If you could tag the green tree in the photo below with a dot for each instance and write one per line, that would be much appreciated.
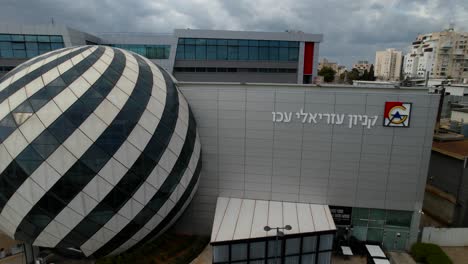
(353, 75)
(365, 76)
(371, 73)
(328, 74)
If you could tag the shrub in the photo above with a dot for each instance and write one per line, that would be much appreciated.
(429, 253)
(438, 259)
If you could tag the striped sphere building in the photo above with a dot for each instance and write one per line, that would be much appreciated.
(99, 151)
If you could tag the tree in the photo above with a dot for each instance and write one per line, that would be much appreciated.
(328, 74)
(371, 73)
(353, 75)
(365, 76)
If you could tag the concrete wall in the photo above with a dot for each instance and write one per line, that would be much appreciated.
(442, 166)
(247, 155)
(448, 237)
(451, 176)
(438, 207)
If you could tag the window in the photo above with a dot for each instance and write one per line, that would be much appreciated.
(263, 53)
(243, 53)
(200, 53)
(180, 52)
(239, 252)
(158, 52)
(222, 53)
(293, 246)
(27, 46)
(253, 53)
(326, 242)
(257, 250)
(273, 54)
(221, 253)
(274, 248)
(211, 52)
(222, 69)
(309, 244)
(233, 53)
(189, 52)
(237, 49)
(283, 54)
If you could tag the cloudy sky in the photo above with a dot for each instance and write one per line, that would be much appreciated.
(353, 29)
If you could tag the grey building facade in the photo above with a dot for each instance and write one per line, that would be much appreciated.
(373, 177)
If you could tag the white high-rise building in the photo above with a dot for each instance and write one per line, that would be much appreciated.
(388, 65)
(439, 54)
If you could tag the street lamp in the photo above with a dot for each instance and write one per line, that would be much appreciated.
(278, 234)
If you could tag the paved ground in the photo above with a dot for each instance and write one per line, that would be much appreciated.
(205, 257)
(459, 255)
(352, 260)
(400, 258)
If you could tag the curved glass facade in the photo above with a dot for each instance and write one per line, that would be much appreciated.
(103, 151)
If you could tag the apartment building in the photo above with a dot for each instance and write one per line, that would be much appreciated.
(361, 66)
(438, 55)
(388, 65)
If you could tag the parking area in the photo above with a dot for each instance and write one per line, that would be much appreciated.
(459, 255)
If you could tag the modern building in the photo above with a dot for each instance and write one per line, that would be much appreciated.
(82, 170)
(330, 145)
(362, 66)
(440, 54)
(190, 54)
(388, 65)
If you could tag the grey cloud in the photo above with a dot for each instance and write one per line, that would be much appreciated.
(352, 30)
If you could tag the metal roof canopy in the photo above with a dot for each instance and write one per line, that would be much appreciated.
(241, 219)
(375, 251)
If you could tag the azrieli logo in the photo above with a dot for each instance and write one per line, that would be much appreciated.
(397, 114)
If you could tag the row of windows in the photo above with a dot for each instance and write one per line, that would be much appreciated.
(238, 42)
(381, 217)
(221, 69)
(158, 52)
(28, 46)
(30, 38)
(6, 68)
(244, 53)
(291, 250)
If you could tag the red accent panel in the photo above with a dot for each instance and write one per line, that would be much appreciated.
(389, 106)
(308, 57)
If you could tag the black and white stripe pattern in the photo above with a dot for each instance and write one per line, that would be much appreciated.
(98, 151)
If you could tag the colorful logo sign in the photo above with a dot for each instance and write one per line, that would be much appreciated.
(397, 114)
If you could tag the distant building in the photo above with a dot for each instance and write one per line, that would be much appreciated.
(339, 69)
(439, 54)
(326, 63)
(361, 66)
(388, 65)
